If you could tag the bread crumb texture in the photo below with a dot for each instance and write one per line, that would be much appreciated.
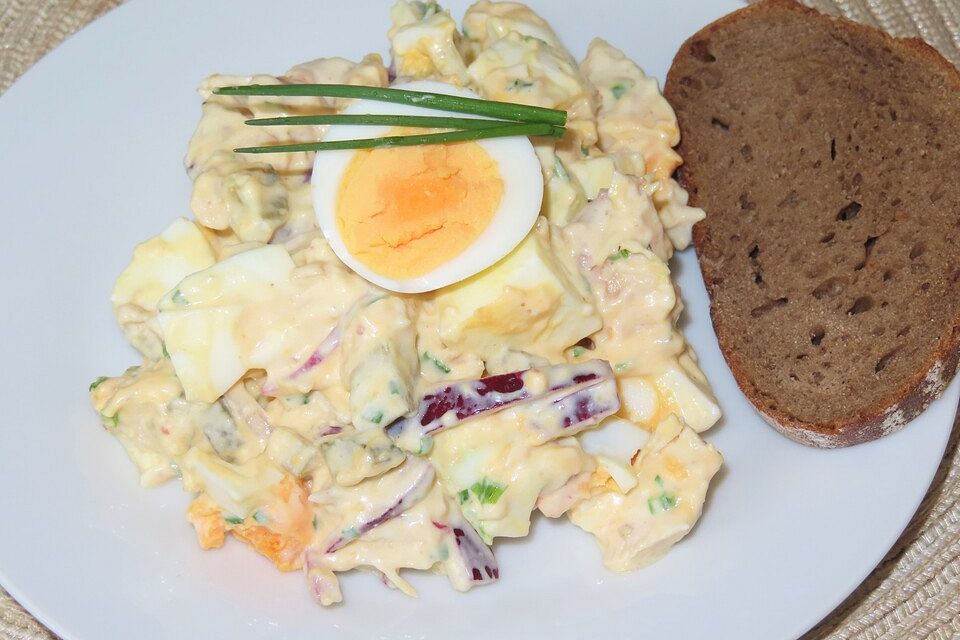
(826, 155)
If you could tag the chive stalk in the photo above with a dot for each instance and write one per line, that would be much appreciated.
(438, 101)
(506, 131)
(433, 122)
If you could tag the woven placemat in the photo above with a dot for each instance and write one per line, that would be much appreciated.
(913, 593)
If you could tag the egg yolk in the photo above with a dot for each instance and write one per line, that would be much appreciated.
(404, 211)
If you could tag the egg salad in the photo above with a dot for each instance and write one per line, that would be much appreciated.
(386, 359)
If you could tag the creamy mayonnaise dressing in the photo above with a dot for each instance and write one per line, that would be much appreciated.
(639, 526)
(333, 425)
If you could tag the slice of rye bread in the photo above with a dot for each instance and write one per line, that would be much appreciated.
(827, 157)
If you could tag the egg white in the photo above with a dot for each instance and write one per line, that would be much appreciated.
(519, 207)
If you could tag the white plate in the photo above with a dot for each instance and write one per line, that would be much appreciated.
(92, 144)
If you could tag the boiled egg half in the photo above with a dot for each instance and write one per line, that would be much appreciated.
(415, 219)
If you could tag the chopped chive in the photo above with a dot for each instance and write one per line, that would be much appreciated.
(316, 522)
(506, 131)
(578, 351)
(428, 122)
(163, 349)
(261, 517)
(96, 383)
(429, 8)
(426, 443)
(305, 399)
(623, 366)
(394, 388)
(519, 84)
(487, 491)
(658, 480)
(351, 533)
(234, 520)
(463, 496)
(621, 88)
(110, 421)
(438, 101)
(178, 297)
(619, 254)
(663, 502)
(373, 416)
(437, 362)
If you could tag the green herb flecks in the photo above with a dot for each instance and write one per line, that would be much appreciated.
(578, 352)
(163, 350)
(316, 522)
(261, 517)
(437, 362)
(394, 388)
(373, 415)
(619, 254)
(96, 383)
(487, 491)
(426, 443)
(234, 520)
(463, 496)
(519, 84)
(305, 399)
(428, 8)
(623, 366)
(110, 421)
(178, 298)
(663, 502)
(621, 88)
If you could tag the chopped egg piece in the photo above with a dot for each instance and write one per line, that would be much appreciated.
(160, 263)
(236, 488)
(486, 22)
(672, 473)
(532, 301)
(253, 310)
(497, 475)
(424, 41)
(632, 113)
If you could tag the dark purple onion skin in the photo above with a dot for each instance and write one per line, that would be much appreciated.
(469, 399)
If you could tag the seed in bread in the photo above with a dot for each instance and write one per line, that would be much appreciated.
(826, 155)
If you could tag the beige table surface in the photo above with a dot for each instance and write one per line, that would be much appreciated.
(913, 593)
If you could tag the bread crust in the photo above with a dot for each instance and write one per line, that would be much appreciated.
(905, 401)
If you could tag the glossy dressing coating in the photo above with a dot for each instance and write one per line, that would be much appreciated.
(332, 425)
